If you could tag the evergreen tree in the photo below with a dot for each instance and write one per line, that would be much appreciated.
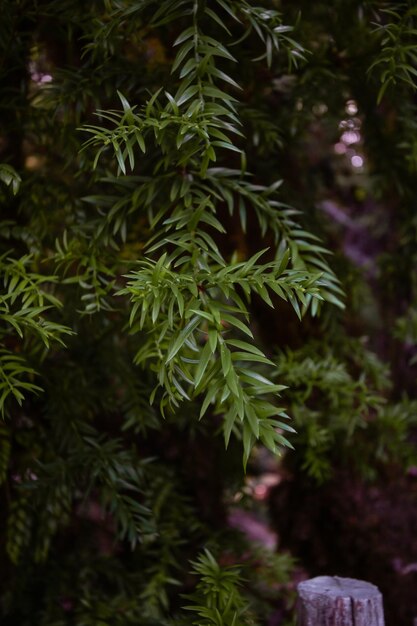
(168, 301)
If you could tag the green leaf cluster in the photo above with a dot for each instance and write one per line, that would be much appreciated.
(217, 599)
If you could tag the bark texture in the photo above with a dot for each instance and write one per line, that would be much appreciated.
(334, 601)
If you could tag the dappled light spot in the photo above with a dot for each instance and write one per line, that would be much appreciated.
(339, 148)
(351, 107)
(357, 161)
(350, 136)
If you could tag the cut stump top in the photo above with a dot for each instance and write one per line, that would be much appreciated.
(337, 587)
(335, 601)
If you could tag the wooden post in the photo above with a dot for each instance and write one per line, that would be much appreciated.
(334, 601)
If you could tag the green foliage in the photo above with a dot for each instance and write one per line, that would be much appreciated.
(189, 299)
(10, 177)
(26, 299)
(217, 599)
(167, 302)
(337, 412)
(397, 34)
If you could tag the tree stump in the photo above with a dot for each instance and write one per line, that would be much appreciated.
(334, 601)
